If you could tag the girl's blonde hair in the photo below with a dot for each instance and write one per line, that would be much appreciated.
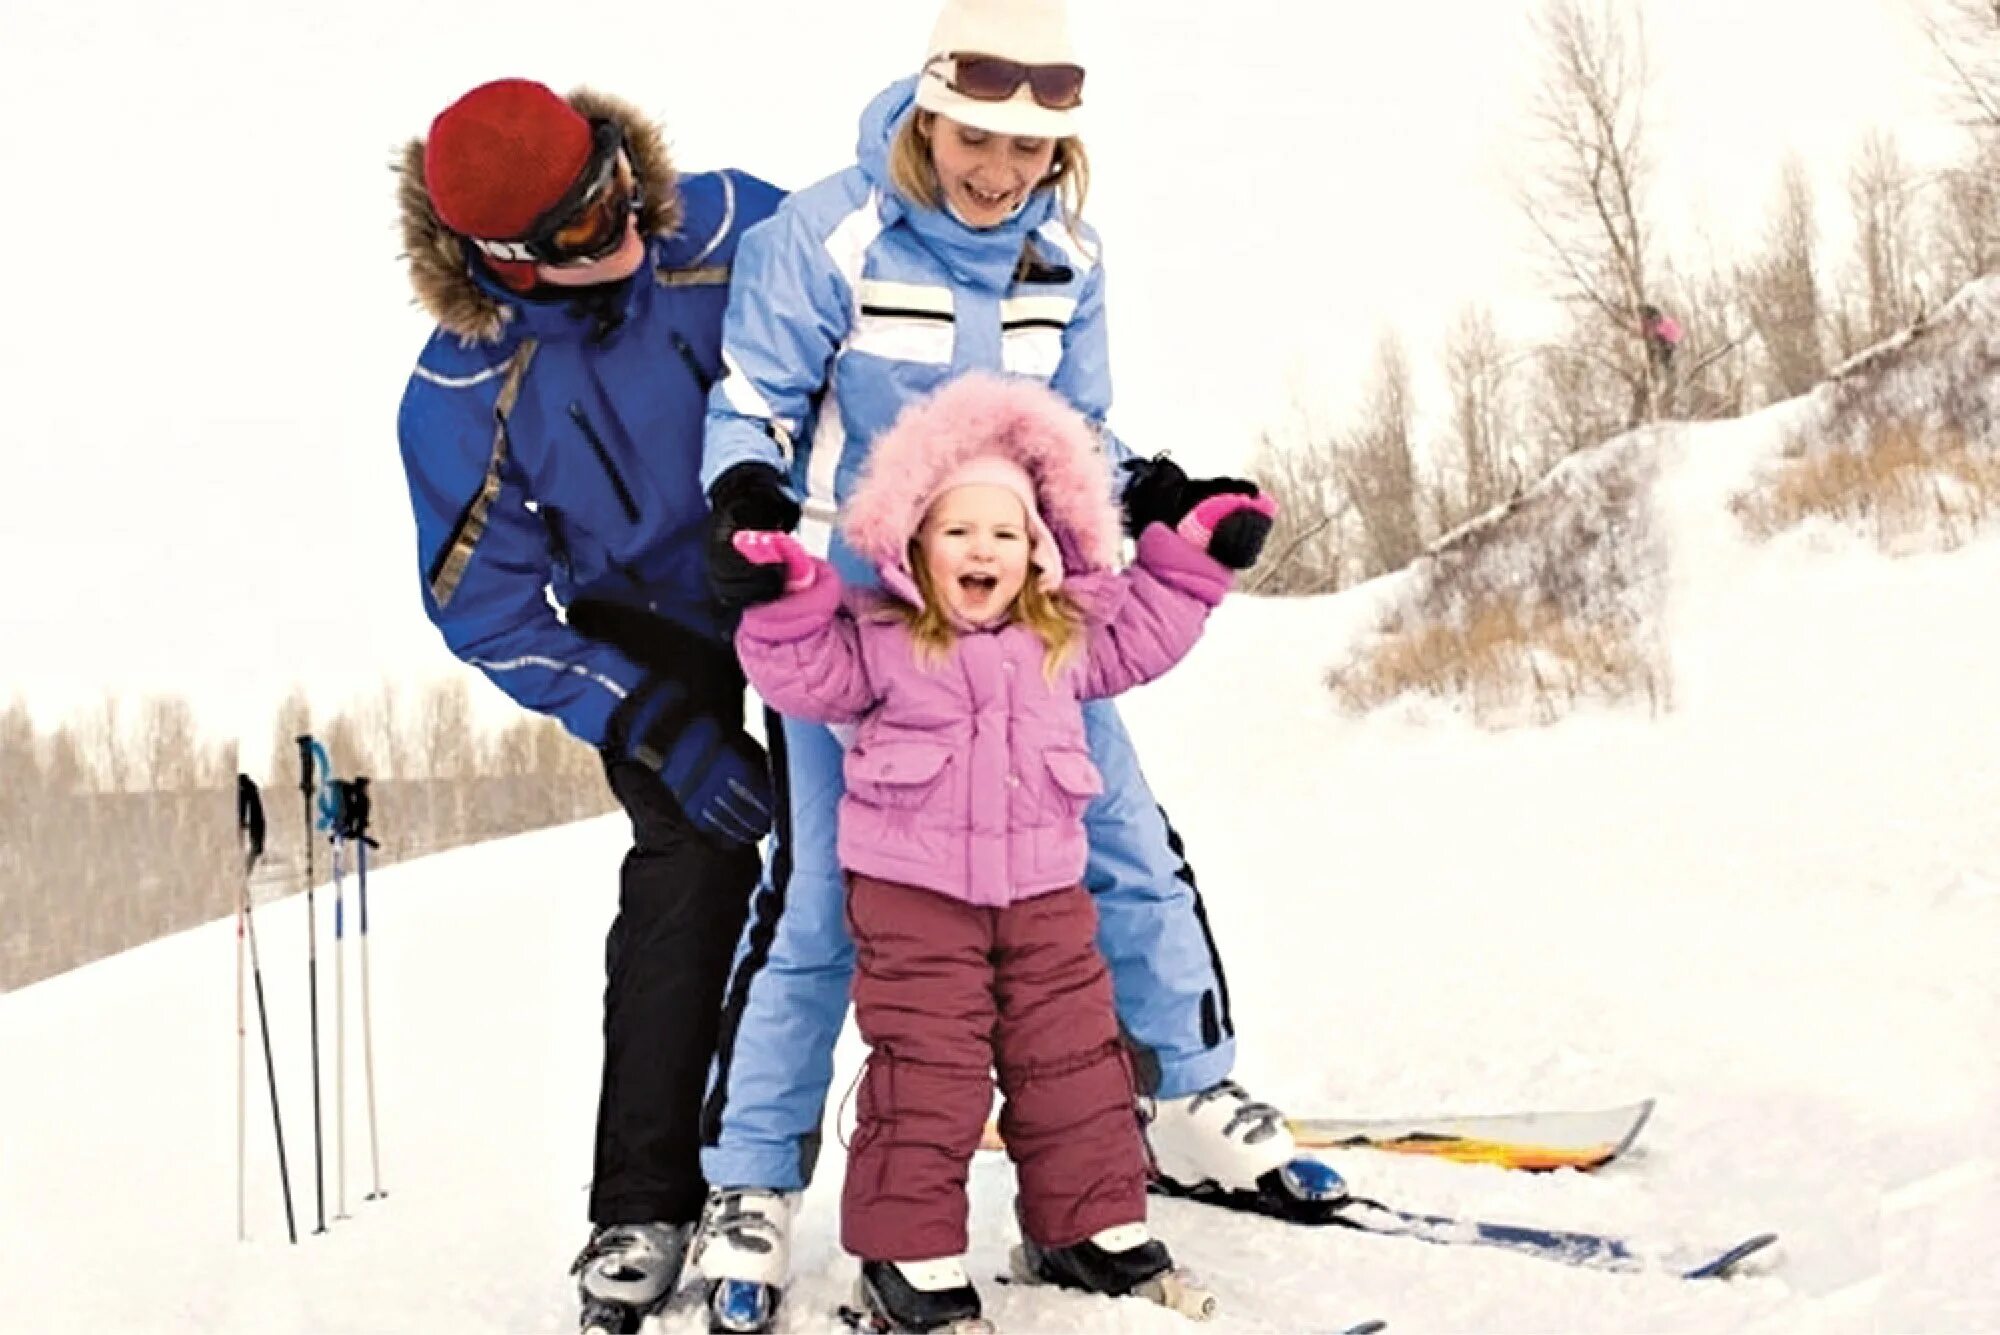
(915, 176)
(1054, 617)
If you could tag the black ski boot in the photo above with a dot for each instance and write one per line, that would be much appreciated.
(1127, 1260)
(626, 1272)
(918, 1296)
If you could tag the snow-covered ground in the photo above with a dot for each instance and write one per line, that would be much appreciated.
(1776, 908)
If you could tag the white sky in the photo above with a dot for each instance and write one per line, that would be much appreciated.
(211, 330)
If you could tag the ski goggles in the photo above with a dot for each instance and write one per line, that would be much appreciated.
(588, 222)
(995, 79)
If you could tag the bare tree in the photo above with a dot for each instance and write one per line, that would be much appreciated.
(294, 721)
(217, 765)
(17, 741)
(348, 746)
(449, 755)
(1880, 188)
(167, 743)
(1305, 552)
(105, 747)
(1965, 221)
(1578, 399)
(557, 753)
(1378, 466)
(20, 781)
(1588, 197)
(446, 746)
(386, 734)
(1781, 289)
(1965, 34)
(1483, 429)
(65, 770)
(1708, 374)
(511, 752)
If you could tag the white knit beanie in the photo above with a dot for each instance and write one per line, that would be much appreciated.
(1034, 32)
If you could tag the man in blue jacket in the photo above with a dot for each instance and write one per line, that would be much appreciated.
(552, 437)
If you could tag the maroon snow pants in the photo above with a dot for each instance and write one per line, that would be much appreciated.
(947, 992)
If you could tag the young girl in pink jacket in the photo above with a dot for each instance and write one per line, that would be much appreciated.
(988, 512)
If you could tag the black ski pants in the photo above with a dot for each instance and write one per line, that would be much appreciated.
(681, 903)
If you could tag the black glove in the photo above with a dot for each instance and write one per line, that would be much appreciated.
(749, 496)
(1158, 492)
(716, 771)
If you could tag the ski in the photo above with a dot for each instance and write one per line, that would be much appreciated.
(1530, 1141)
(1591, 1251)
(1536, 1142)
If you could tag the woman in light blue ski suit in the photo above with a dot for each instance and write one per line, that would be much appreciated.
(953, 244)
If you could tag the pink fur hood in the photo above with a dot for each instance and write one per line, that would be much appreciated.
(980, 413)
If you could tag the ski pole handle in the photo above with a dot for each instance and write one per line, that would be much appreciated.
(249, 819)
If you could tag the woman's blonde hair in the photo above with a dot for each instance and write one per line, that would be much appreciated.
(1054, 617)
(915, 176)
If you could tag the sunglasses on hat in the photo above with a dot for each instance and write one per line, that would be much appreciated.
(995, 79)
(588, 222)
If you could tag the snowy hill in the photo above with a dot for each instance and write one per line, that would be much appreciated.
(1776, 907)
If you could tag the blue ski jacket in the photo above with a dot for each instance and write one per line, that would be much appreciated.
(553, 448)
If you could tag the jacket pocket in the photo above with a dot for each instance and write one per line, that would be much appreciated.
(897, 776)
(1074, 782)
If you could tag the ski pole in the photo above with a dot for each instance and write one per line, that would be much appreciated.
(357, 831)
(306, 749)
(250, 833)
(242, 1081)
(339, 1018)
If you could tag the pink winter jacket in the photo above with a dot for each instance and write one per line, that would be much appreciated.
(971, 777)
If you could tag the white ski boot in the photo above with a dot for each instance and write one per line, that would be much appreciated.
(1222, 1147)
(744, 1251)
(626, 1272)
(1117, 1262)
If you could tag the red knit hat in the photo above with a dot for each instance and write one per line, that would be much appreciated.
(501, 156)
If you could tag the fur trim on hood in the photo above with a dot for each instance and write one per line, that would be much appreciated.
(981, 413)
(437, 260)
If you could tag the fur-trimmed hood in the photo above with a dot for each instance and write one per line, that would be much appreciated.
(980, 413)
(439, 273)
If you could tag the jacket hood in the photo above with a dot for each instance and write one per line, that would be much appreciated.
(978, 414)
(879, 120)
(440, 272)
(983, 258)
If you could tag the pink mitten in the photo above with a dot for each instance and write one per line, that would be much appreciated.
(1230, 527)
(769, 549)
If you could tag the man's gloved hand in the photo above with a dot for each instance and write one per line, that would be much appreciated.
(717, 773)
(1158, 492)
(749, 496)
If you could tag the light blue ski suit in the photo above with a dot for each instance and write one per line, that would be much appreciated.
(850, 302)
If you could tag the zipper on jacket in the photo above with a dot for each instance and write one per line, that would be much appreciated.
(693, 363)
(604, 457)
